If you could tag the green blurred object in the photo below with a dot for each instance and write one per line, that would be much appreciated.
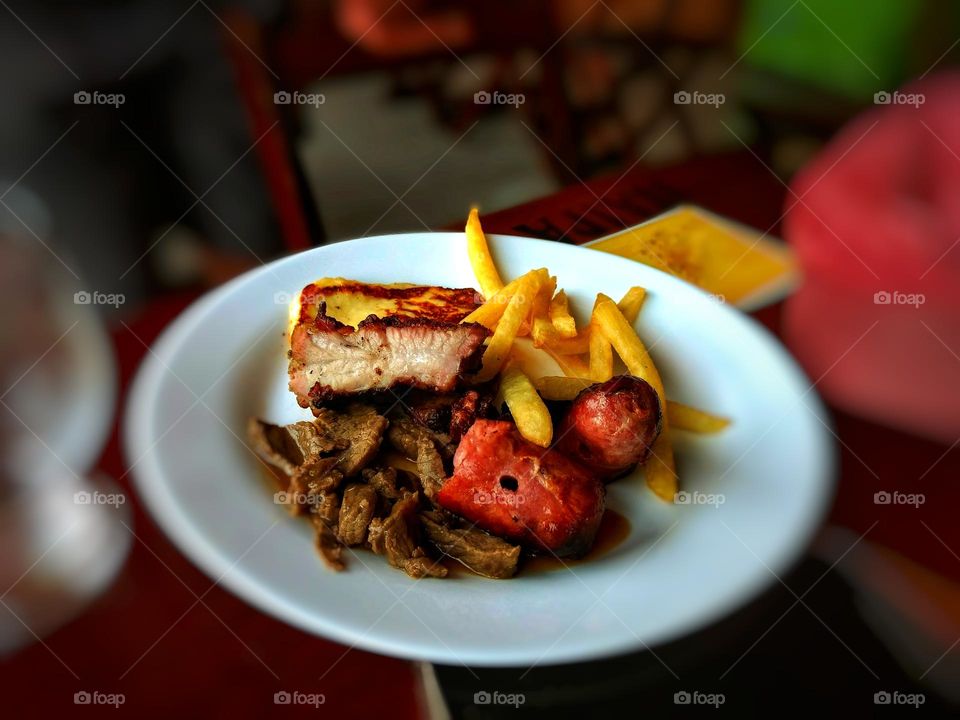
(850, 49)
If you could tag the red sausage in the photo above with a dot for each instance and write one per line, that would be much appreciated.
(521, 492)
(611, 426)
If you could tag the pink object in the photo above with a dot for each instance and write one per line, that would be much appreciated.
(876, 322)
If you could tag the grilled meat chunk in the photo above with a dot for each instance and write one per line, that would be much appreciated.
(384, 481)
(356, 511)
(353, 437)
(375, 537)
(316, 477)
(327, 544)
(404, 435)
(466, 410)
(423, 566)
(358, 431)
(481, 552)
(516, 490)
(451, 414)
(430, 467)
(401, 540)
(330, 360)
(430, 410)
(326, 507)
(286, 447)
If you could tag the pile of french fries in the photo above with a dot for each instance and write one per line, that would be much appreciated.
(532, 306)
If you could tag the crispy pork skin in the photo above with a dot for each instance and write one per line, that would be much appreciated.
(351, 338)
(330, 360)
(523, 493)
(350, 302)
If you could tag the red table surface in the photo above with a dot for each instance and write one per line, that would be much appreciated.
(221, 657)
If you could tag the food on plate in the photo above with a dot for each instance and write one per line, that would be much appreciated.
(685, 417)
(682, 417)
(451, 413)
(480, 551)
(661, 474)
(411, 337)
(501, 343)
(529, 412)
(432, 440)
(489, 313)
(480, 259)
(560, 317)
(601, 351)
(611, 426)
(631, 302)
(513, 489)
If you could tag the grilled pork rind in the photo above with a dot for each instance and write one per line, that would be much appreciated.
(350, 338)
(332, 361)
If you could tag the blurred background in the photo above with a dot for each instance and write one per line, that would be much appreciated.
(150, 151)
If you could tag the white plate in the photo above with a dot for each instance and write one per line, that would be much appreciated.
(681, 567)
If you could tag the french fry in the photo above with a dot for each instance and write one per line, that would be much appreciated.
(560, 316)
(631, 303)
(661, 474)
(527, 408)
(601, 357)
(490, 312)
(555, 387)
(685, 417)
(544, 333)
(571, 365)
(538, 307)
(541, 302)
(480, 259)
(601, 352)
(571, 346)
(500, 344)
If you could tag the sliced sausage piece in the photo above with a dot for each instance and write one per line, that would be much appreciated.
(523, 493)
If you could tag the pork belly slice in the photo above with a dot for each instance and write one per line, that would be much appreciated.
(330, 360)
